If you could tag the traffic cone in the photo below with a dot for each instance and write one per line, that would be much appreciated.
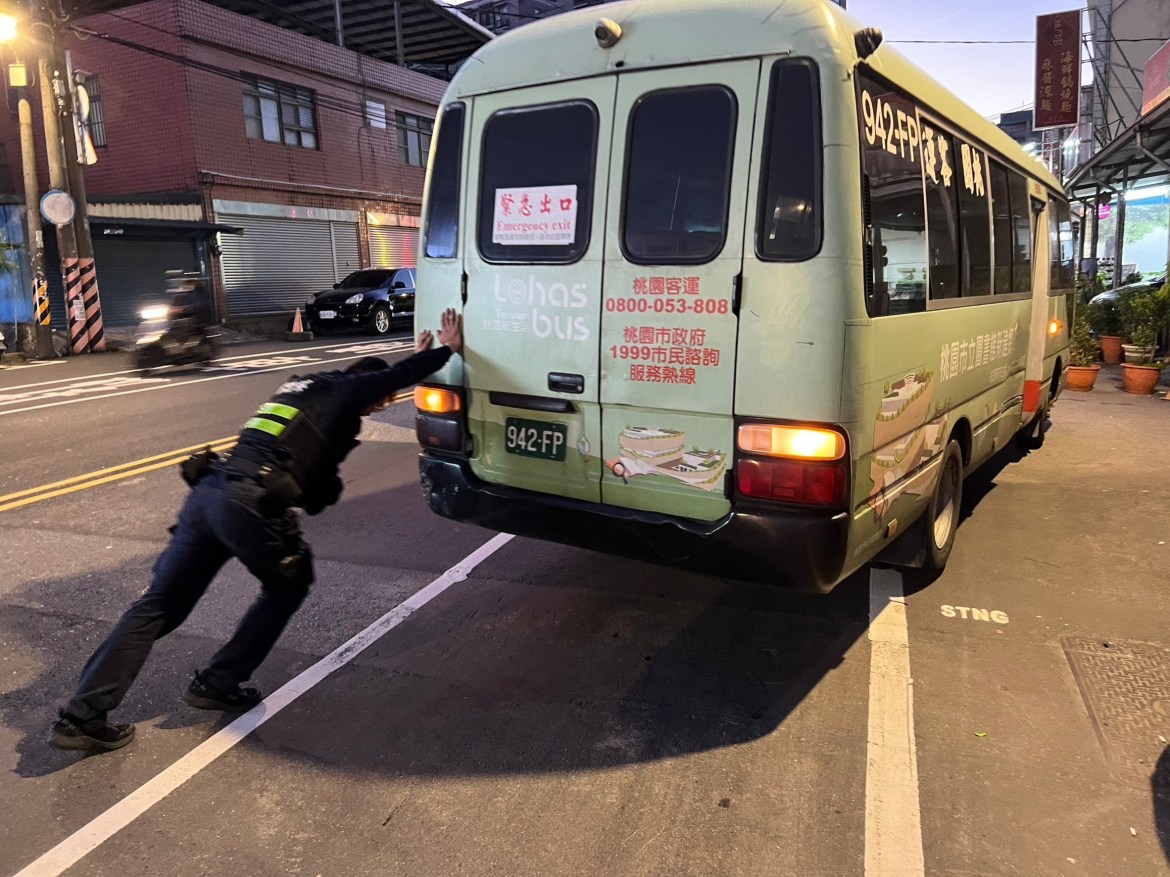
(298, 332)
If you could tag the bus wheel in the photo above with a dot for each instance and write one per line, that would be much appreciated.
(942, 515)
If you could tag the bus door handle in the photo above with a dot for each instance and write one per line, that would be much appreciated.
(563, 383)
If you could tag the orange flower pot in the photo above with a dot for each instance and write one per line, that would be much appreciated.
(1111, 348)
(1139, 379)
(1082, 377)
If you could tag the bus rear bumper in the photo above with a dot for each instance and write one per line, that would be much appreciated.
(796, 549)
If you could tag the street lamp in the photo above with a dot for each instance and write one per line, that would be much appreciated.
(7, 28)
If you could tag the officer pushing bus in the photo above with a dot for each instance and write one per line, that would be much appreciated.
(244, 505)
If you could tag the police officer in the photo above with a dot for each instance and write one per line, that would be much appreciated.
(242, 505)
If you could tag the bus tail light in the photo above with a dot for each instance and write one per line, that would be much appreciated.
(797, 442)
(793, 481)
(795, 463)
(437, 400)
(439, 423)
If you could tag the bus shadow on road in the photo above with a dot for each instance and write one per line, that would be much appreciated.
(609, 663)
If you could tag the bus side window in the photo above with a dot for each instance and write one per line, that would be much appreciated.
(442, 224)
(942, 214)
(974, 221)
(1021, 233)
(895, 225)
(789, 226)
(1001, 217)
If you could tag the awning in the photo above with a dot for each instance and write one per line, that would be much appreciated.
(1140, 154)
(410, 33)
(181, 226)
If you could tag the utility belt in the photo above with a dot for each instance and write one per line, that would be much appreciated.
(276, 481)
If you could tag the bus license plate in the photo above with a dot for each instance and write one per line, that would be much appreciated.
(535, 438)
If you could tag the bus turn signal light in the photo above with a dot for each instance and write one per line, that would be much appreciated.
(1054, 327)
(798, 442)
(435, 400)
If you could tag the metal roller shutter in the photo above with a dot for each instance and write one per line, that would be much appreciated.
(131, 273)
(273, 266)
(392, 247)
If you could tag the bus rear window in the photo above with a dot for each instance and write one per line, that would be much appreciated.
(536, 189)
(442, 226)
(678, 175)
(789, 224)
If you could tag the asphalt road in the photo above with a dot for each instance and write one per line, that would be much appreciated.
(449, 701)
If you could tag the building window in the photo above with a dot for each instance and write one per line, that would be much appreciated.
(96, 120)
(414, 138)
(376, 114)
(279, 113)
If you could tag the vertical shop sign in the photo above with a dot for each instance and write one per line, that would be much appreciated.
(1058, 70)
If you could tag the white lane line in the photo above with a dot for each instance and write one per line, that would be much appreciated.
(173, 384)
(88, 838)
(6, 368)
(893, 817)
(133, 371)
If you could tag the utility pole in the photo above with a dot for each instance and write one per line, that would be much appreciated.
(89, 282)
(82, 308)
(34, 235)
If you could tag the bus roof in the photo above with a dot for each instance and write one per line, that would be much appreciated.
(665, 33)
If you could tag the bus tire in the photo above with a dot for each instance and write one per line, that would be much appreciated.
(941, 518)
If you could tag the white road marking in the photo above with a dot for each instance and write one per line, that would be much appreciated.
(169, 384)
(369, 346)
(89, 837)
(32, 364)
(81, 388)
(893, 817)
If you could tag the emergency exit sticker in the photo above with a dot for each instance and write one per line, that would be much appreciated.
(545, 216)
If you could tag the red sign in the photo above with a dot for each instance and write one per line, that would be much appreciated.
(1157, 80)
(1058, 70)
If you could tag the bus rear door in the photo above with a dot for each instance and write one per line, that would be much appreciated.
(673, 258)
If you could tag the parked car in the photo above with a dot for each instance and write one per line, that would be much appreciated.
(372, 298)
(1154, 283)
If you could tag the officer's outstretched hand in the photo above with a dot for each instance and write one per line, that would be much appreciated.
(451, 330)
(425, 339)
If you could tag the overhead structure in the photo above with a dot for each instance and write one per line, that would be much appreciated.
(423, 35)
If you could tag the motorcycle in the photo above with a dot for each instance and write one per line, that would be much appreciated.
(175, 333)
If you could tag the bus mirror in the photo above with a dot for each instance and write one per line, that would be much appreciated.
(866, 40)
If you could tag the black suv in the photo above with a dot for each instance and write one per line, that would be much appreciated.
(372, 297)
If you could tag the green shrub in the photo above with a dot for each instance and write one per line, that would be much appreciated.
(1082, 347)
(1104, 318)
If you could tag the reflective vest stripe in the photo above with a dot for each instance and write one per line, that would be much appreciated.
(285, 411)
(265, 425)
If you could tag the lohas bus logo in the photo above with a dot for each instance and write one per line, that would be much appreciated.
(543, 311)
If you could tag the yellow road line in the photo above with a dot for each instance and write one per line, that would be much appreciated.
(94, 479)
(100, 472)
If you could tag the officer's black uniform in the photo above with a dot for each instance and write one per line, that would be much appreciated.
(287, 457)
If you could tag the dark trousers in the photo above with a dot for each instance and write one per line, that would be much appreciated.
(224, 516)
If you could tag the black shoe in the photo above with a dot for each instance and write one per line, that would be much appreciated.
(97, 735)
(228, 700)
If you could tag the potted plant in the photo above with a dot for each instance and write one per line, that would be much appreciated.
(1105, 320)
(1083, 368)
(1142, 312)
